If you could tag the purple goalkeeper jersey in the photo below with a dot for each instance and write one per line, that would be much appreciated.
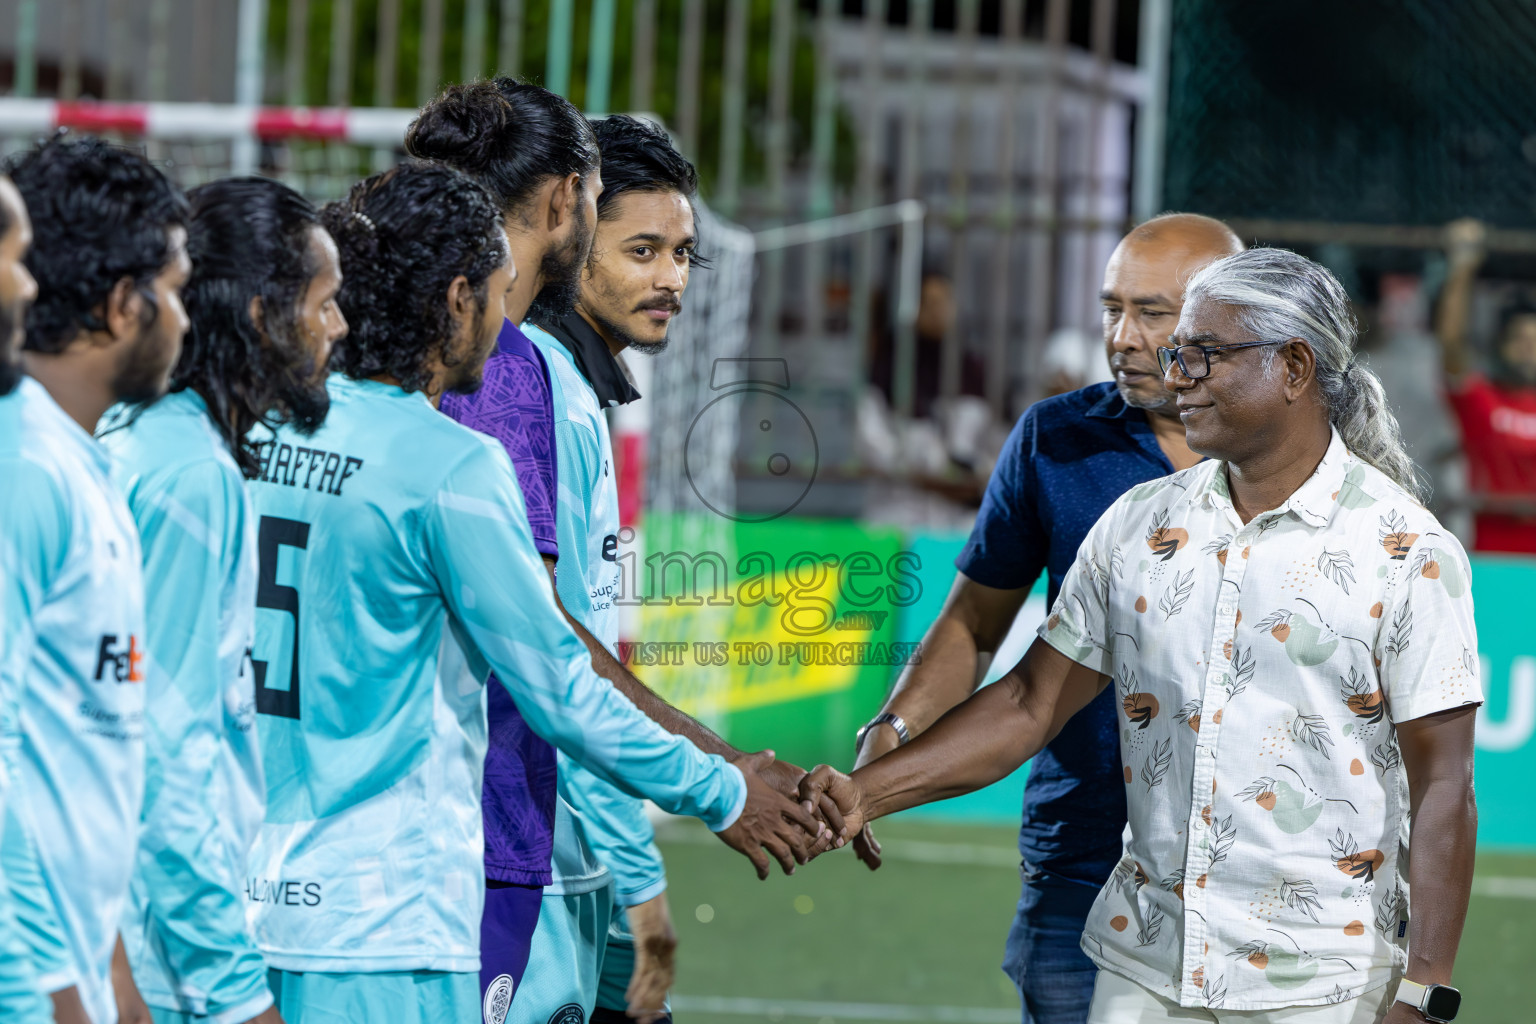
(518, 797)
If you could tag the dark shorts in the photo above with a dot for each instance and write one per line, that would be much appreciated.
(506, 935)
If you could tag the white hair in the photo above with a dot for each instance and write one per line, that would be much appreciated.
(1280, 295)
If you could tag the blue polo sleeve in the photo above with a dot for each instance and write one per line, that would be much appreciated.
(1008, 548)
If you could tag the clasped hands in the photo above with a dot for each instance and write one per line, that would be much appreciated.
(796, 815)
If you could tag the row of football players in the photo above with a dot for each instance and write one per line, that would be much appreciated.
(264, 544)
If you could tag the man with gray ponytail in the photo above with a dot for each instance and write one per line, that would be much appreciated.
(1290, 637)
(1066, 461)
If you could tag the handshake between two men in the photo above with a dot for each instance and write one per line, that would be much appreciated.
(977, 743)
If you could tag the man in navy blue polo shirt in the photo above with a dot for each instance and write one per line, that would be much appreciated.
(1066, 461)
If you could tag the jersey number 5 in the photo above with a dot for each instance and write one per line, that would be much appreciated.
(273, 534)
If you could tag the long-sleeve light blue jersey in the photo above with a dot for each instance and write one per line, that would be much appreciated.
(74, 657)
(397, 571)
(601, 823)
(21, 995)
(186, 933)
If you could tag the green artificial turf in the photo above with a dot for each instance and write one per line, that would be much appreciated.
(836, 943)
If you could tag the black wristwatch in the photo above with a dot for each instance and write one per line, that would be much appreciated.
(1438, 1003)
(884, 718)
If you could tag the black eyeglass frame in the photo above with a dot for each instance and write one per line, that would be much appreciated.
(1168, 354)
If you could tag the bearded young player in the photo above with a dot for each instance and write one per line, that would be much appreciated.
(538, 158)
(109, 256)
(399, 571)
(262, 303)
(632, 287)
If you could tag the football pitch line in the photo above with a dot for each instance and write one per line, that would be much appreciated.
(1504, 887)
(779, 1009)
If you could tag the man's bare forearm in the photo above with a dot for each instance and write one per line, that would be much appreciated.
(975, 745)
(984, 739)
(1444, 841)
(950, 668)
(1453, 316)
(955, 653)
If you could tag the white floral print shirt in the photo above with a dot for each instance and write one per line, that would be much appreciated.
(1260, 671)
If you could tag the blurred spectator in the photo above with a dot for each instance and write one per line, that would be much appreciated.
(1072, 359)
(1401, 349)
(1497, 408)
(936, 317)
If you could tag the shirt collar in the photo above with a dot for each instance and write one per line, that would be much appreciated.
(513, 342)
(35, 392)
(1313, 502)
(1113, 407)
(604, 372)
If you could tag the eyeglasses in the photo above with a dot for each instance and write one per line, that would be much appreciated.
(1194, 360)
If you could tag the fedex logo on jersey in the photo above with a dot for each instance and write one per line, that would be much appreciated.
(122, 662)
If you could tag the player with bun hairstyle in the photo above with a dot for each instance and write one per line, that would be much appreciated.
(538, 158)
(399, 571)
(262, 302)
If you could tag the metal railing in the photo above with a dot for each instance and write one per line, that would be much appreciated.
(1017, 143)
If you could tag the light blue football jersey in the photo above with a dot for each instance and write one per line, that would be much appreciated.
(186, 933)
(21, 994)
(602, 826)
(74, 657)
(22, 1000)
(397, 571)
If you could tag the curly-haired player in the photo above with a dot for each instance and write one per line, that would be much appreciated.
(398, 569)
(262, 301)
(109, 256)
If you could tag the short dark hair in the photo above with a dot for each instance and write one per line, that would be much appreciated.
(404, 235)
(100, 213)
(638, 156)
(509, 136)
(248, 237)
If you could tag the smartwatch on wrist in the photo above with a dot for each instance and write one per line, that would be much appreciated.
(1438, 1003)
(884, 718)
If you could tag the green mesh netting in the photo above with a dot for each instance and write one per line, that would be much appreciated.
(1385, 111)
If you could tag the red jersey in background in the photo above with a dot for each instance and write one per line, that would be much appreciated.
(1498, 429)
